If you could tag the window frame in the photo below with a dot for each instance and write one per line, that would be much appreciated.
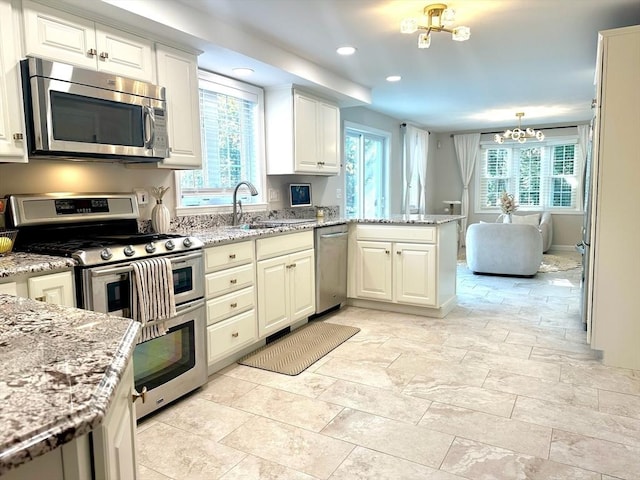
(546, 174)
(228, 85)
(386, 137)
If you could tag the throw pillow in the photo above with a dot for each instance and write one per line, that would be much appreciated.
(533, 219)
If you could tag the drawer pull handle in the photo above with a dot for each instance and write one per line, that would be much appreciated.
(293, 265)
(18, 136)
(232, 256)
(234, 305)
(104, 55)
(235, 334)
(233, 281)
(41, 299)
(92, 52)
(387, 252)
(399, 252)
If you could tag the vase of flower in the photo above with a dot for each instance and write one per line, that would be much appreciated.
(506, 218)
(160, 216)
(508, 205)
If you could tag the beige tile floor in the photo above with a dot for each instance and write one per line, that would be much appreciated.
(504, 387)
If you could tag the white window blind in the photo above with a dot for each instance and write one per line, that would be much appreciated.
(230, 121)
(541, 175)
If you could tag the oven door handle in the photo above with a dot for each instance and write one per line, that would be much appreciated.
(128, 268)
(189, 307)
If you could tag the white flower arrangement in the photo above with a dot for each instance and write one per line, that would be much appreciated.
(508, 203)
(158, 193)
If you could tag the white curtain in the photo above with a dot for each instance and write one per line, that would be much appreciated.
(416, 148)
(467, 149)
(583, 142)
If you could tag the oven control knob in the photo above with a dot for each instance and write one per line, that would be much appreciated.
(150, 247)
(187, 242)
(129, 251)
(106, 254)
(170, 245)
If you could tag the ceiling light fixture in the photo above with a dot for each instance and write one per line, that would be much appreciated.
(517, 134)
(394, 78)
(243, 72)
(346, 50)
(439, 17)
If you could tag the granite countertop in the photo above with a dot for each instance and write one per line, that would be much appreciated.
(212, 236)
(17, 263)
(59, 371)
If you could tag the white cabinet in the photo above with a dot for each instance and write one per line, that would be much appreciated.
(396, 272)
(286, 280)
(403, 265)
(12, 132)
(54, 288)
(303, 133)
(114, 441)
(9, 288)
(178, 73)
(230, 294)
(58, 35)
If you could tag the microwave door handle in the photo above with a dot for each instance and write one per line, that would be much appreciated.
(149, 127)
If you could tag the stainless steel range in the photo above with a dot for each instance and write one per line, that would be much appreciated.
(100, 231)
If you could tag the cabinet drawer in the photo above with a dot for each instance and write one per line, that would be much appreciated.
(225, 256)
(283, 244)
(394, 233)
(10, 288)
(229, 280)
(231, 335)
(231, 304)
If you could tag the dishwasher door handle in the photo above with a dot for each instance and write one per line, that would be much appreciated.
(334, 235)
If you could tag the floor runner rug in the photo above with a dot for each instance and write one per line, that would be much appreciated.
(298, 350)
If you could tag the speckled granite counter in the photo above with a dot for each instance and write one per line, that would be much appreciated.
(212, 236)
(60, 367)
(18, 263)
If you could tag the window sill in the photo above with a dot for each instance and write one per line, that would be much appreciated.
(218, 209)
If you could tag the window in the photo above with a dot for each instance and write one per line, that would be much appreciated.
(366, 159)
(231, 119)
(541, 176)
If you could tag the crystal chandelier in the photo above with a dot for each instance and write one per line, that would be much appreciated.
(517, 134)
(439, 17)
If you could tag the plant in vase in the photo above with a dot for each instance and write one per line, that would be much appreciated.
(160, 216)
(508, 205)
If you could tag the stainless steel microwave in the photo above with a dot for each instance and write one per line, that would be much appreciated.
(77, 113)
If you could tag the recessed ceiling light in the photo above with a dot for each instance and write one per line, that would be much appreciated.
(346, 50)
(394, 78)
(243, 72)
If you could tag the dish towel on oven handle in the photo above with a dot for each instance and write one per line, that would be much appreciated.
(153, 299)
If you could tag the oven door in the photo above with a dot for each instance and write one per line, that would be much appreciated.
(174, 364)
(108, 289)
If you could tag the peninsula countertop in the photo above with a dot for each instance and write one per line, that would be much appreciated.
(59, 371)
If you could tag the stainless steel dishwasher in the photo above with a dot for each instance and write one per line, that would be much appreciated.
(331, 266)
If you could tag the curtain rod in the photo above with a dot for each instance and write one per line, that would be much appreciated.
(404, 125)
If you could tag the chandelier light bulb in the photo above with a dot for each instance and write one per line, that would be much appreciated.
(424, 40)
(448, 16)
(408, 25)
(461, 34)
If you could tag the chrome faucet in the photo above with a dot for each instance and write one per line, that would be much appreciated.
(237, 210)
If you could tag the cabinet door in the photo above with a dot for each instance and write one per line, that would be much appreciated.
(273, 294)
(54, 288)
(373, 270)
(12, 131)
(114, 441)
(178, 73)
(329, 131)
(124, 54)
(415, 273)
(58, 35)
(305, 134)
(302, 292)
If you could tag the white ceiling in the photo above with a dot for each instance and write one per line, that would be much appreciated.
(535, 56)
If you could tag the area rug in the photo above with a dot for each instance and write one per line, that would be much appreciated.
(300, 349)
(550, 263)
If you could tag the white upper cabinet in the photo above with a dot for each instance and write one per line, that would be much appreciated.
(12, 132)
(67, 38)
(178, 73)
(303, 133)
